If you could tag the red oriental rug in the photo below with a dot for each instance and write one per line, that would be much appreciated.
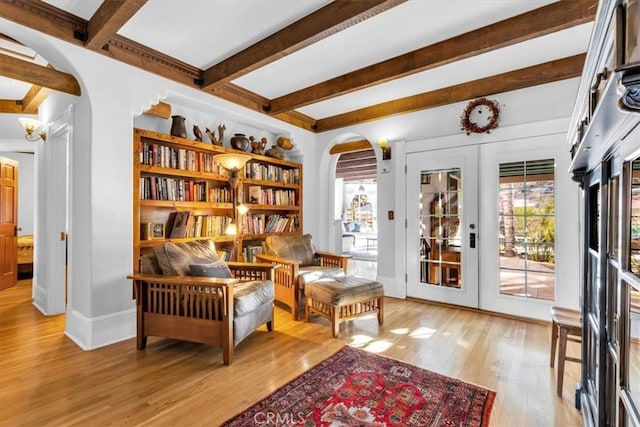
(357, 388)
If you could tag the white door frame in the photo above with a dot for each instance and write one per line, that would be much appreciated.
(567, 226)
(466, 159)
(50, 293)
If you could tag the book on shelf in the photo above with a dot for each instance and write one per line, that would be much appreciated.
(180, 225)
(228, 251)
(255, 194)
(251, 251)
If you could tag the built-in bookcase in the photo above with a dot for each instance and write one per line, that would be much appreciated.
(180, 193)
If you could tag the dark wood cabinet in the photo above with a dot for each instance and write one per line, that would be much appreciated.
(605, 148)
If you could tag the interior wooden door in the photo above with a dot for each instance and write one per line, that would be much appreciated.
(8, 222)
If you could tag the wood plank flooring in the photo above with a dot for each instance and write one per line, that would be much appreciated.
(46, 380)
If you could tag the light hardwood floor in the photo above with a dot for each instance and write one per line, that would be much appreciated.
(46, 380)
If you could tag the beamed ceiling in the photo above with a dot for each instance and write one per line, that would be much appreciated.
(317, 64)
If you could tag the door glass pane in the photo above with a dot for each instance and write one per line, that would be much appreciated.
(614, 200)
(526, 223)
(634, 260)
(594, 214)
(633, 380)
(440, 230)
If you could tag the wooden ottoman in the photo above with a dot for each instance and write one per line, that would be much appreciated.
(343, 298)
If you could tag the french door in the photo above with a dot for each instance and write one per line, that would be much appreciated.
(442, 226)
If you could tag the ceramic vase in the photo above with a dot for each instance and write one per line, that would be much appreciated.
(239, 142)
(178, 127)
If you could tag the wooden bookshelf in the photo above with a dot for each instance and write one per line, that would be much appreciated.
(173, 174)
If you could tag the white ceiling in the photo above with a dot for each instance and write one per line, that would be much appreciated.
(202, 33)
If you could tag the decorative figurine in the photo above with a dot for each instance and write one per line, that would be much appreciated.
(257, 147)
(212, 135)
(197, 133)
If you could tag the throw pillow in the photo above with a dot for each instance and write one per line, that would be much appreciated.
(215, 269)
(174, 259)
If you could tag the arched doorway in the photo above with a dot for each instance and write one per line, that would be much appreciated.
(356, 192)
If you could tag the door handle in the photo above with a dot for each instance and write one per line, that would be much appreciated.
(472, 240)
(63, 236)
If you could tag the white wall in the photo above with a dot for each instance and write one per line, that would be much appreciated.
(521, 112)
(114, 95)
(26, 171)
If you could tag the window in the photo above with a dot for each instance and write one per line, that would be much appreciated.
(526, 224)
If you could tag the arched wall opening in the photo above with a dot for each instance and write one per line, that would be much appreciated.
(353, 163)
(55, 266)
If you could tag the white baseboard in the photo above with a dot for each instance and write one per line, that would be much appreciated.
(92, 333)
(40, 299)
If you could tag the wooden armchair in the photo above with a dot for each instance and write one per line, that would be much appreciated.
(210, 310)
(297, 262)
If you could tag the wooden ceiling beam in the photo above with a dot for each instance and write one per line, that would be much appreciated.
(10, 106)
(45, 18)
(110, 16)
(548, 72)
(351, 146)
(253, 101)
(29, 72)
(536, 23)
(330, 19)
(130, 52)
(34, 97)
(358, 155)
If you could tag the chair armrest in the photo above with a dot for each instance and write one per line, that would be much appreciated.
(185, 280)
(251, 270)
(323, 254)
(285, 270)
(329, 259)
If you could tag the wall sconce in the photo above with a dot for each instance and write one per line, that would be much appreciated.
(30, 126)
(386, 149)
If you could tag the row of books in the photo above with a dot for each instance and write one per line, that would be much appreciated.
(274, 173)
(250, 251)
(178, 158)
(262, 223)
(177, 189)
(185, 224)
(270, 196)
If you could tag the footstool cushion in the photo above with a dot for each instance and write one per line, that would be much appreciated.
(344, 297)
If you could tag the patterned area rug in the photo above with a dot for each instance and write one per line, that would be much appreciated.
(357, 388)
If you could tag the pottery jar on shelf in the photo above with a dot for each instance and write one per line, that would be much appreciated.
(284, 143)
(275, 152)
(239, 142)
(178, 127)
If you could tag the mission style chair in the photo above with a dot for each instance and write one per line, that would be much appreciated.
(183, 291)
(297, 262)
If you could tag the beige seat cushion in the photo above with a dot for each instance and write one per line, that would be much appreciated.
(311, 273)
(345, 290)
(248, 296)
